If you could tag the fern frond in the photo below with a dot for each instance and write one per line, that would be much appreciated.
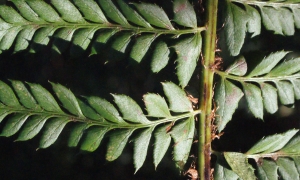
(275, 155)
(267, 81)
(281, 17)
(107, 27)
(29, 107)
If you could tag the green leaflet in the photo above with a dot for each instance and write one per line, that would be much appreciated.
(162, 143)
(44, 98)
(62, 39)
(254, 99)
(154, 15)
(184, 13)
(267, 64)
(141, 144)
(254, 21)
(178, 101)
(131, 111)
(292, 147)
(112, 12)
(141, 46)
(76, 134)
(88, 111)
(132, 15)
(67, 99)
(101, 39)
(239, 67)
(160, 56)
(52, 131)
(267, 169)
(286, 68)
(239, 164)
(91, 11)
(23, 38)
(81, 40)
(285, 92)
(105, 109)
(235, 28)
(183, 134)
(117, 142)
(41, 38)
(222, 171)
(9, 15)
(156, 105)
(93, 138)
(4, 113)
(296, 85)
(119, 46)
(44, 10)
(287, 169)
(272, 143)
(26, 11)
(68, 11)
(7, 96)
(188, 51)
(227, 98)
(14, 124)
(269, 94)
(32, 127)
(8, 39)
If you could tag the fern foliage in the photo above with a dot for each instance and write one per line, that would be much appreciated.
(112, 28)
(268, 80)
(29, 107)
(280, 17)
(275, 156)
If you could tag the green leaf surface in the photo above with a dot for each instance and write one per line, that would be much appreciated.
(239, 164)
(296, 86)
(112, 12)
(76, 134)
(93, 138)
(131, 111)
(285, 92)
(239, 67)
(7, 96)
(267, 169)
(81, 40)
(44, 10)
(132, 15)
(62, 39)
(178, 101)
(67, 99)
(14, 124)
(254, 99)
(267, 64)
(235, 28)
(52, 130)
(23, 38)
(280, 20)
(269, 94)
(140, 148)
(292, 147)
(188, 51)
(41, 38)
(105, 109)
(183, 134)
(10, 15)
(227, 98)
(32, 127)
(26, 11)
(286, 68)
(88, 111)
(160, 58)
(287, 169)
(101, 39)
(44, 98)
(91, 11)
(68, 11)
(272, 143)
(156, 105)
(4, 113)
(222, 172)
(184, 13)
(119, 46)
(154, 15)
(117, 142)
(254, 21)
(141, 46)
(9, 38)
(162, 143)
